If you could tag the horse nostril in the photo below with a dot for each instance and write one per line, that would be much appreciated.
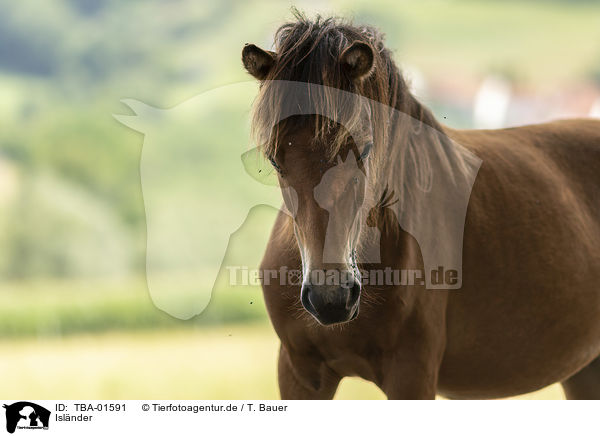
(354, 294)
(305, 297)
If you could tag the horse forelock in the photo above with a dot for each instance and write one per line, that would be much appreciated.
(308, 52)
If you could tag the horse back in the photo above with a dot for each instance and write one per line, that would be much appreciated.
(531, 261)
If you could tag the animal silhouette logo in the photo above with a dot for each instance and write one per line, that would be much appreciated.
(26, 415)
(194, 170)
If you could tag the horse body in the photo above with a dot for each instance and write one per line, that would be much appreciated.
(530, 302)
(528, 312)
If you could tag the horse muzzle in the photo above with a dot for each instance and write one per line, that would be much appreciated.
(331, 304)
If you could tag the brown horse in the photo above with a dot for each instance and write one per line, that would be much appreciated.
(528, 312)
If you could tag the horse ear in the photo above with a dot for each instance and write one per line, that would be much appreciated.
(257, 61)
(357, 60)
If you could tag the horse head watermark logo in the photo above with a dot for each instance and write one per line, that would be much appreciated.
(200, 179)
(26, 415)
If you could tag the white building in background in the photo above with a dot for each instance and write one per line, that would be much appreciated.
(415, 80)
(492, 100)
(595, 109)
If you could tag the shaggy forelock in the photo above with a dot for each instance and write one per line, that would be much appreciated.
(308, 52)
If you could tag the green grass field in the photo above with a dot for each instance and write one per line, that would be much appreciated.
(108, 341)
(225, 362)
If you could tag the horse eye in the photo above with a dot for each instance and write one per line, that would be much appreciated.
(366, 150)
(277, 167)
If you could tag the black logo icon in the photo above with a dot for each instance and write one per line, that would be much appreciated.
(26, 415)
